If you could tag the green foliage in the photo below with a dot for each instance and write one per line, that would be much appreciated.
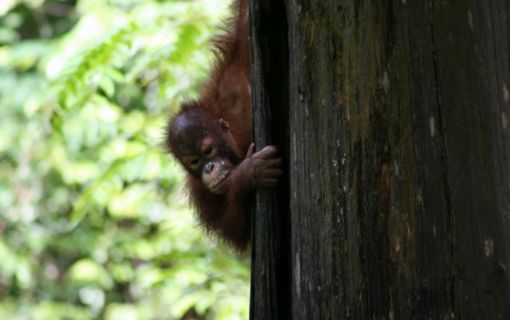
(94, 222)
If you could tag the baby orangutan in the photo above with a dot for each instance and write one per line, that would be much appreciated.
(211, 138)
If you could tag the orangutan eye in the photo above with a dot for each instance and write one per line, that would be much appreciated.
(194, 162)
(208, 152)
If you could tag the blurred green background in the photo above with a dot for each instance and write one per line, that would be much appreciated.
(94, 221)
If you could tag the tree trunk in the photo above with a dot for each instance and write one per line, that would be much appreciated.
(396, 131)
(271, 224)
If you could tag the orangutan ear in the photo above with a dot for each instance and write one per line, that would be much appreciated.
(223, 124)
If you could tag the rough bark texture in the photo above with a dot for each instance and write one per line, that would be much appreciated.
(270, 227)
(399, 160)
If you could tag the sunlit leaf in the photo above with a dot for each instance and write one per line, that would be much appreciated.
(86, 271)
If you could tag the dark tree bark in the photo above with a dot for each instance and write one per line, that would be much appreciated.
(271, 225)
(394, 118)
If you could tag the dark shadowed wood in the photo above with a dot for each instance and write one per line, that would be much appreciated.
(399, 160)
(270, 297)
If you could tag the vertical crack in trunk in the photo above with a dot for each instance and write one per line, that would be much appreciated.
(444, 163)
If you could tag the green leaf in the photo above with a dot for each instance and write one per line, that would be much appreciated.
(86, 271)
(107, 85)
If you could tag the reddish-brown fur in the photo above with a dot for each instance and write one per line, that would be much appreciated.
(226, 95)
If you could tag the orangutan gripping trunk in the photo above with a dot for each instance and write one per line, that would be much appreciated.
(211, 138)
